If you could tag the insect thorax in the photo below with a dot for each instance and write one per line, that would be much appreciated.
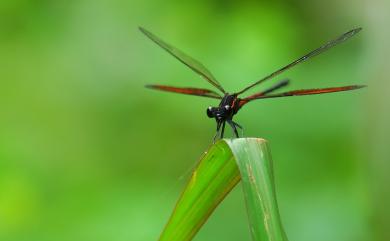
(225, 109)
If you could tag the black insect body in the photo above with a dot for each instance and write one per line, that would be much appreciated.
(230, 104)
(227, 108)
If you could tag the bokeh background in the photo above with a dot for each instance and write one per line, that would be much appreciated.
(87, 153)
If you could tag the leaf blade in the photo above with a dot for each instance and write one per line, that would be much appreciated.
(211, 181)
(254, 160)
(218, 172)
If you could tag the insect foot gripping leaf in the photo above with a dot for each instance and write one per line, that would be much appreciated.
(218, 171)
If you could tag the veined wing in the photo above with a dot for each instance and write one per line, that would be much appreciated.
(187, 91)
(301, 92)
(185, 59)
(313, 53)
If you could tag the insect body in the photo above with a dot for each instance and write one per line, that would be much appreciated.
(227, 108)
(230, 104)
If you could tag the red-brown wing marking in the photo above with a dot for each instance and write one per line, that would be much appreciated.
(302, 59)
(301, 92)
(187, 91)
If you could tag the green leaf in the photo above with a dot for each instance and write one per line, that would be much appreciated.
(255, 163)
(218, 171)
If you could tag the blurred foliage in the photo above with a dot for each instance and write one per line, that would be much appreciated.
(76, 122)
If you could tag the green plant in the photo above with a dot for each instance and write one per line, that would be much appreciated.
(219, 170)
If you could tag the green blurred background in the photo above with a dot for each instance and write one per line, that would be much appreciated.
(87, 153)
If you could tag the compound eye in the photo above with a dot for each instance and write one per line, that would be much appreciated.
(209, 112)
(227, 107)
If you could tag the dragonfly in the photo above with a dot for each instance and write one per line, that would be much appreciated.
(231, 103)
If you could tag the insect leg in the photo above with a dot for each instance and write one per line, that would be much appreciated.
(217, 132)
(239, 126)
(223, 130)
(231, 123)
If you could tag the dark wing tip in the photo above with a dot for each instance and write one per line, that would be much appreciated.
(358, 86)
(285, 82)
(150, 86)
(354, 31)
(352, 87)
(141, 29)
(144, 31)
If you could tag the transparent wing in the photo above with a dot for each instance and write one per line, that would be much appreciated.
(301, 92)
(313, 53)
(187, 91)
(185, 59)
